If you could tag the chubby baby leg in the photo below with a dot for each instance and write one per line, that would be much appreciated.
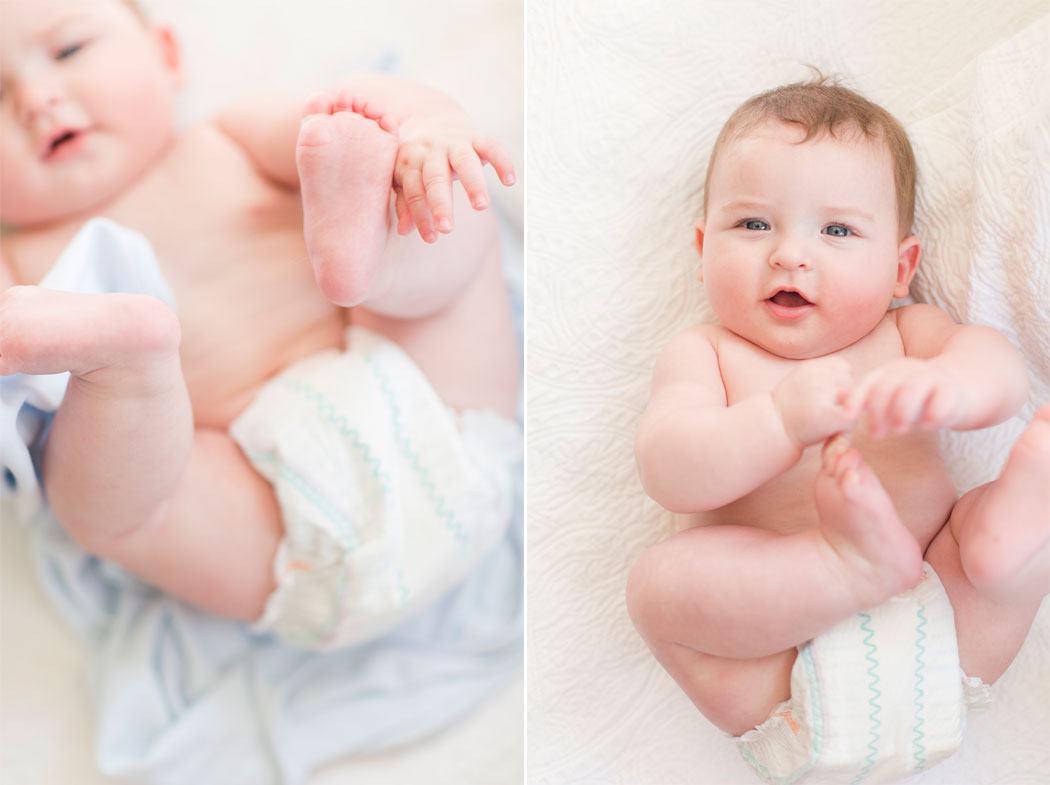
(122, 436)
(1003, 528)
(993, 556)
(123, 469)
(726, 605)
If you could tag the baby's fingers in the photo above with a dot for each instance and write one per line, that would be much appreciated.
(857, 398)
(437, 182)
(490, 150)
(471, 174)
(942, 409)
(416, 200)
(907, 406)
(404, 215)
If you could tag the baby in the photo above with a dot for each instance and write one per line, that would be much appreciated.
(139, 466)
(791, 526)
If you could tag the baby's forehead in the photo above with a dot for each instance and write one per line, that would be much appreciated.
(843, 134)
(33, 19)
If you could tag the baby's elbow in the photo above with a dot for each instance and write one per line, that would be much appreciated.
(667, 480)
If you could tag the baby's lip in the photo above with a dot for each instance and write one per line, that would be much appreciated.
(54, 141)
(789, 297)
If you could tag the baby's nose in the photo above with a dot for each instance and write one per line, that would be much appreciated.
(35, 97)
(789, 255)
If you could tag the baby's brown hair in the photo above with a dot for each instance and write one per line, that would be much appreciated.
(824, 106)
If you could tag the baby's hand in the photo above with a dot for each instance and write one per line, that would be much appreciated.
(811, 400)
(433, 152)
(906, 394)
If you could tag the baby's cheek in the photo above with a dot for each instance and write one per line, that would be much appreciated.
(863, 306)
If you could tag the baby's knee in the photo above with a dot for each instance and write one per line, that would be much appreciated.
(643, 590)
(738, 695)
(154, 324)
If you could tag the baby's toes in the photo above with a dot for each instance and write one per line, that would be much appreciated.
(318, 103)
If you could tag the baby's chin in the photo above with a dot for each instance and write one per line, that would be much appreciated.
(29, 215)
(66, 202)
(795, 348)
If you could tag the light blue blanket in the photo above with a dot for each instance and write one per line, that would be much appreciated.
(183, 698)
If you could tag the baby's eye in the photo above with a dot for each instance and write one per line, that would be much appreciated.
(68, 51)
(755, 225)
(837, 230)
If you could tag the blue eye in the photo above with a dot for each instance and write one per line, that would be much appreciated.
(68, 51)
(837, 230)
(755, 225)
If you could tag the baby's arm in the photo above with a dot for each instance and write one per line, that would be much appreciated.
(952, 376)
(696, 453)
(436, 142)
(266, 128)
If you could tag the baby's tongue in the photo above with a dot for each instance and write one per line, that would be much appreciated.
(790, 299)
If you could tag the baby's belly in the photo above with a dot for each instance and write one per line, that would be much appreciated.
(910, 469)
(244, 323)
(225, 379)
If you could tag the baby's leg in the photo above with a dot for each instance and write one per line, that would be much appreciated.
(123, 470)
(722, 607)
(444, 303)
(993, 557)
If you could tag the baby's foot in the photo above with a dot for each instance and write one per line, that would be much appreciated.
(345, 154)
(859, 522)
(1006, 547)
(44, 331)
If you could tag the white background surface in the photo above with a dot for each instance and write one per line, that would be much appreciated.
(624, 102)
(474, 50)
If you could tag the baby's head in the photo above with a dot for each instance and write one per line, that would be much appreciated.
(86, 105)
(808, 206)
(824, 107)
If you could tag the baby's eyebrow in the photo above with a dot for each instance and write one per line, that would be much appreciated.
(744, 204)
(853, 212)
(55, 27)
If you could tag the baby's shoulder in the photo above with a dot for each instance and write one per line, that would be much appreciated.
(918, 316)
(699, 338)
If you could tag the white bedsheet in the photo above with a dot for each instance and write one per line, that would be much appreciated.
(471, 48)
(625, 100)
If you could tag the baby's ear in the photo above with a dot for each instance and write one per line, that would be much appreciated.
(909, 252)
(168, 46)
(699, 241)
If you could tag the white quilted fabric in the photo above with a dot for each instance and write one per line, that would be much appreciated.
(624, 104)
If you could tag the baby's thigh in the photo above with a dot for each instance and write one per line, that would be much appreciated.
(989, 634)
(467, 351)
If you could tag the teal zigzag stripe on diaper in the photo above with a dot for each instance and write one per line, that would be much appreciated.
(402, 588)
(421, 472)
(316, 500)
(873, 701)
(920, 665)
(328, 411)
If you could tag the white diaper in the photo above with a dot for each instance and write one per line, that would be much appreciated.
(878, 697)
(389, 498)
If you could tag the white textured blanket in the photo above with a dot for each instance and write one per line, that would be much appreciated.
(625, 100)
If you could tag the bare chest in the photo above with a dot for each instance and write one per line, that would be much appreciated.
(909, 467)
(230, 245)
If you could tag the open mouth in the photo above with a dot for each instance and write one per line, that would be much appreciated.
(789, 299)
(60, 143)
